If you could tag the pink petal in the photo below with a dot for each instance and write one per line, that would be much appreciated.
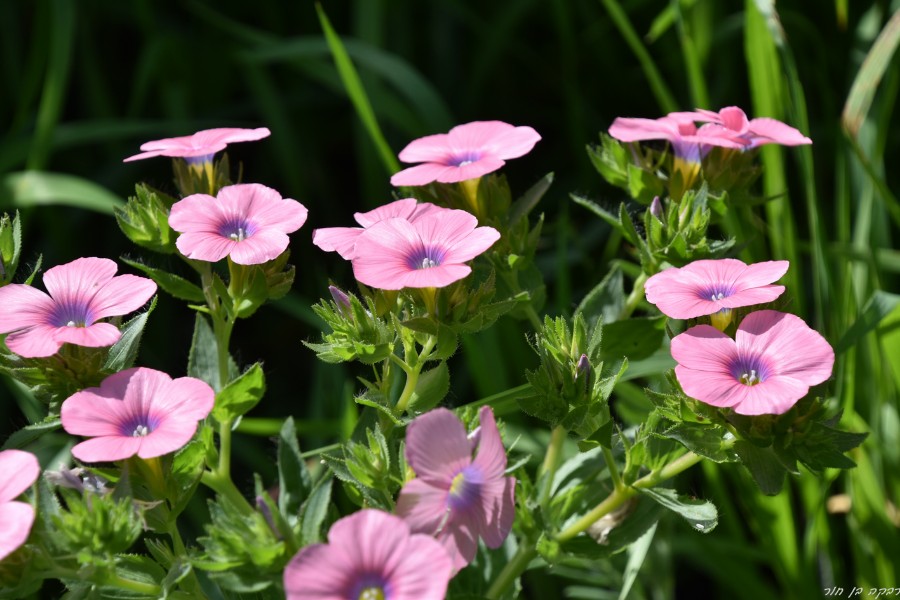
(262, 246)
(733, 118)
(37, 341)
(317, 573)
(121, 295)
(460, 539)
(106, 449)
(437, 447)
(201, 143)
(477, 135)
(704, 348)
(789, 345)
(371, 540)
(196, 213)
(425, 571)
(170, 436)
(514, 143)
(209, 247)
(626, 129)
(262, 206)
(762, 273)
(491, 456)
(80, 279)
(422, 174)
(16, 519)
(423, 506)
(184, 399)
(717, 388)
(752, 296)
(774, 396)
(473, 170)
(678, 296)
(20, 469)
(98, 335)
(777, 132)
(498, 510)
(431, 148)
(337, 239)
(406, 208)
(436, 277)
(446, 228)
(23, 306)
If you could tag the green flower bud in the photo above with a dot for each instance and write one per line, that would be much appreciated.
(145, 220)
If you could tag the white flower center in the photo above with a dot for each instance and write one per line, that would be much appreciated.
(70, 324)
(140, 431)
(427, 263)
(750, 378)
(464, 163)
(718, 296)
(240, 235)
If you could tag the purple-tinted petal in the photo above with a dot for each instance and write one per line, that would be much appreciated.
(677, 298)
(263, 206)
(16, 519)
(121, 295)
(749, 297)
(374, 540)
(790, 346)
(460, 539)
(424, 572)
(79, 279)
(197, 212)
(421, 174)
(491, 456)
(437, 447)
(337, 239)
(717, 388)
(406, 208)
(445, 228)
(98, 335)
(498, 510)
(435, 277)
(260, 247)
(775, 396)
(201, 143)
(170, 436)
(627, 129)
(317, 573)
(423, 506)
(106, 449)
(23, 306)
(19, 470)
(209, 247)
(473, 170)
(431, 148)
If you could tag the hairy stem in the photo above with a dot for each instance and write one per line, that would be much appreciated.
(551, 461)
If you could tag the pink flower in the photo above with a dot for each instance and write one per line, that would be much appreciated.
(756, 131)
(466, 152)
(688, 142)
(370, 554)
(704, 287)
(772, 362)
(395, 253)
(201, 146)
(455, 497)
(248, 222)
(138, 411)
(18, 470)
(81, 293)
(343, 239)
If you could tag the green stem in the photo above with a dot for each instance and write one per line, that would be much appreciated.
(682, 463)
(612, 468)
(635, 297)
(412, 375)
(616, 499)
(148, 589)
(511, 571)
(551, 461)
(224, 486)
(191, 583)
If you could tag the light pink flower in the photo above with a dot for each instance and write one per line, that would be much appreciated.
(81, 293)
(431, 252)
(455, 497)
(18, 470)
(369, 554)
(757, 132)
(704, 287)
(248, 222)
(343, 239)
(689, 142)
(201, 146)
(772, 362)
(138, 411)
(466, 152)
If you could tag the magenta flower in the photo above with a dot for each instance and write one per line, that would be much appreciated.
(688, 142)
(201, 146)
(466, 152)
(395, 253)
(772, 362)
(81, 293)
(704, 287)
(138, 411)
(343, 239)
(455, 497)
(248, 222)
(18, 470)
(369, 555)
(755, 131)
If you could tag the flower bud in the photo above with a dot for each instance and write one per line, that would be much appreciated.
(145, 221)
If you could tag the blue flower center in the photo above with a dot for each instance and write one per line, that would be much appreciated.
(425, 258)
(465, 489)
(237, 229)
(465, 158)
(71, 313)
(750, 370)
(370, 586)
(138, 426)
(199, 160)
(715, 292)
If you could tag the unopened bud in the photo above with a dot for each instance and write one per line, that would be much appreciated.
(656, 209)
(341, 299)
(583, 368)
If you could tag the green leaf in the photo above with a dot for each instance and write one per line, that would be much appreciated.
(599, 211)
(636, 338)
(240, 395)
(364, 401)
(616, 535)
(529, 200)
(37, 188)
(431, 388)
(294, 481)
(700, 514)
(637, 553)
(30, 433)
(176, 286)
(124, 352)
(703, 439)
(764, 466)
(606, 301)
(879, 305)
(314, 512)
(203, 360)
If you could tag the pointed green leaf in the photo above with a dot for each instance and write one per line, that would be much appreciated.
(700, 514)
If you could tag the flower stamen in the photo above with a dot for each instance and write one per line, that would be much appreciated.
(750, 378)
(140, 431)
